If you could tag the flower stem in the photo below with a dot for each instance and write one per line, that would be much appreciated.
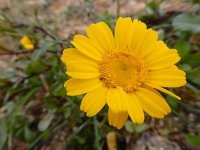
(97, 136)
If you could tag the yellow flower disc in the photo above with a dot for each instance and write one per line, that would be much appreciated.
(123, 68)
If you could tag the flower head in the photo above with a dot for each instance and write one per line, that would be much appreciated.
(125, 71)
(26, 43)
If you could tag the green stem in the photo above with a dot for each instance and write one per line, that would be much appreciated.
(10, 141)
(97, 136)
(195, 110)
(80, 128)
(193, 88)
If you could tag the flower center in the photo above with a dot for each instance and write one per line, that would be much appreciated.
(123, 68)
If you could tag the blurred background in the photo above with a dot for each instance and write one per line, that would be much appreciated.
(35, 112)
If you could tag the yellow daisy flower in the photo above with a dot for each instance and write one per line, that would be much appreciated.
(124, 71)
(26, 43)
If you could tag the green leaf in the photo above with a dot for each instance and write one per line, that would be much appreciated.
(129, 126)
(50, 103)
(59, 91)
(4, 82)
(9, 106)
(3, 133)
(193, 89)
(80, 140)
(194, 75)
(6, 29)
(141, 128)
(28, 135)
(187, 22)
(173, 103)
(24, 98)
(67, 113)
(192, 139)
(46, 121)
(38, 53)
(193, 59)
(185, 67)
(35, 66)
(153, 5)
(183, 47)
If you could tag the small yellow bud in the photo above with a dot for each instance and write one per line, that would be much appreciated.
(26, 43)
(111, 139)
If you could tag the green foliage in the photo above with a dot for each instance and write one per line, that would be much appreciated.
(183, 47)
(4, 134)
(192, 139)
(134, 128)
(187, 22)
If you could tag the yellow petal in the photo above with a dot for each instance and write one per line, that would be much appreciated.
(167, 77)
(29, 46)
(117, 119)
(81, 86)
(71, 55)
(115, 99)
(94, 101)
(101, 34)
(152, 103)
(83, 69)
(139, 32)
(134, 109)
(149, 40)
(123, 32)
(88, 47)
(78, 65)
(153, 50)
(163, 90)
(164, 59)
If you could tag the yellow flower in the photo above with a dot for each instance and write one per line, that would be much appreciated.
(124, 71)
(26, 43)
